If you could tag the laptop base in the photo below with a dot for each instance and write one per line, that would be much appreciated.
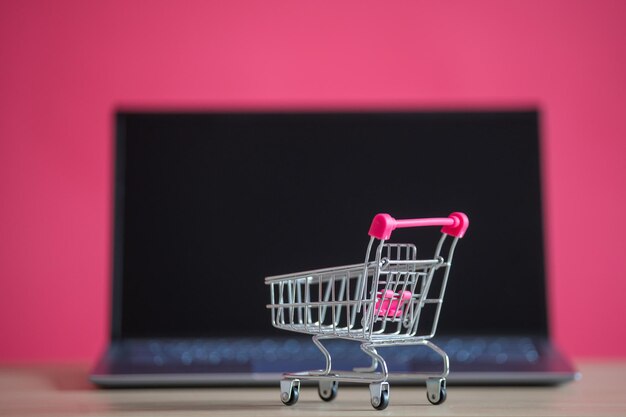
(258, 362)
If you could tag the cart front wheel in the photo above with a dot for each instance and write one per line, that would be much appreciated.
(327, 390)
(289, 391)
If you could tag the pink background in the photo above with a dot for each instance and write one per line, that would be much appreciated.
(65, 65)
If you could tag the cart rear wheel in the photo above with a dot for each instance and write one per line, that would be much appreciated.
(379, 395)
(443, 394)
(436, 390)
(382, 402)
(328, 390)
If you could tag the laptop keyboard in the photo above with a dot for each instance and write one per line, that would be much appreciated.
(466, 350)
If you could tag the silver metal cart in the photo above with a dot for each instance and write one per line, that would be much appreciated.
(378, 303)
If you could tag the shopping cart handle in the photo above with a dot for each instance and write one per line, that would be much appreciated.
(383, 224)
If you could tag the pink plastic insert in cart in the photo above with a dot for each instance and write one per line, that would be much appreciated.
(391, 299)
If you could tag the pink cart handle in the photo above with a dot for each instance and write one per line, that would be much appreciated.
(383, 224)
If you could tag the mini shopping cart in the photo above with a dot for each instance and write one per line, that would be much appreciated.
(378, 303)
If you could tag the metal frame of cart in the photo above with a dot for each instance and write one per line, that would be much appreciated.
(379, 303)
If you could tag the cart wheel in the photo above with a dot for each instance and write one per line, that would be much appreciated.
(436, 390)
(443, 394)
(327, 390)
(383, 402)
(289, 391)
(379, 395)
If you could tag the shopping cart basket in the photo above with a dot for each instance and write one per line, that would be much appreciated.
(377, 303)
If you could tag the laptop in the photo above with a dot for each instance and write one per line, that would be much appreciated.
(208, 204)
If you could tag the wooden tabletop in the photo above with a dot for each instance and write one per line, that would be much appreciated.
(63, 390)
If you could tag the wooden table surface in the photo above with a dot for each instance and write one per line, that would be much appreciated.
(63, 390)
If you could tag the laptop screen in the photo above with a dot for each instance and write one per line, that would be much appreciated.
(208, 204)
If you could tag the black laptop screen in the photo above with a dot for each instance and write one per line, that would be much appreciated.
(208, 204)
